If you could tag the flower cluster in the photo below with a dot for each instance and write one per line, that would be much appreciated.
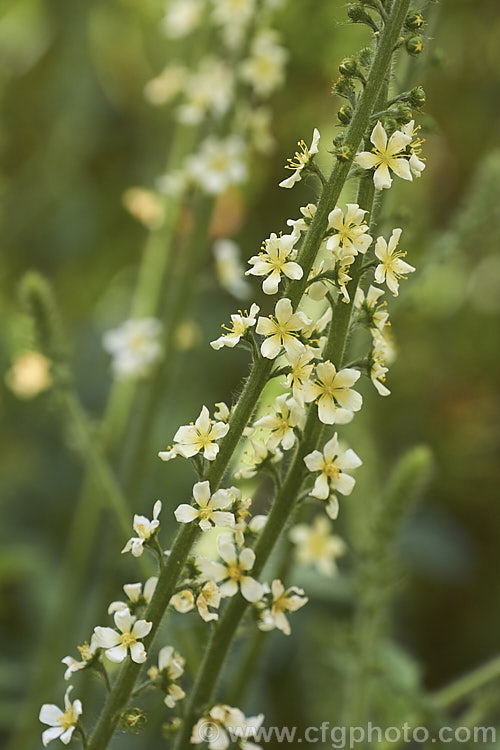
(251, 60)
(199, 438)
(311, 384)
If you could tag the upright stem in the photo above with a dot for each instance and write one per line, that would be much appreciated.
(466, 685)
(180, 289)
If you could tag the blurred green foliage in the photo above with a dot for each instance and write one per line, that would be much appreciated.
(75, 133)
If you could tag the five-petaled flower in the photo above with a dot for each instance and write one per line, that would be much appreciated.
(240, 323)
(233, 574)
(301, 369)
(278, 602)
(316, 545)
(170, 668)
(135, 347)
(276, 259)
(145, 530)
(62, 723)
(218, 164)
(300, 160)
(137, 596)
(417, 166)
(301, 225)
(208, 508)
(332, 391)
(88, 652)
(377, 364)
(282, 330)
(263, 456)
(118, 644)
(222, 724)
(208, 596)
(332, 463)
(350, 236)
(387, 154)
(195, 438)
(392, 267)
(370, 310)
(286, 416)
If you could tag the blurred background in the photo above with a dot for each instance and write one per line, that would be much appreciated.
(75, 134)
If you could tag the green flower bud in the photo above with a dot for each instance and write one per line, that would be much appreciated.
(348, 67)
(357, 14)
(366, 57)
(343, 152)
(132, 720)
(390, 125)
(414, 21)
(345, 114)
(170, 728)
(414, 45)
(417, 97)
(402, 113)
(343, 87)
(338, 140)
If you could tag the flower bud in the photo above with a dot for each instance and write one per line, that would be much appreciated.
(358, 15)
(414, 21)
(345, 114)
(348, 67)
(343, 152)
(366, 57)
(170, 728)
(338, 140)
(390, 125)
(343, 87)
(414, 45)
(132, 720)
(417, 97)
(402, 113)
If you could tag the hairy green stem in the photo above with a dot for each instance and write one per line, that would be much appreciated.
(94, 460)
(353, 137)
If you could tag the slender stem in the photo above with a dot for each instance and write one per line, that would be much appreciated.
(180, 289)
(462, 688)
(246, 670)
(96, 463)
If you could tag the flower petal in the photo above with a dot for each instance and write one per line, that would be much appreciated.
(401, 167)
(201, 493)
(138, 653)
(382, 178)
(106, 637)
(49, 714)
(141, 628)
(185, 513)
(117, 654)
(251, 589)
(247, 558)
